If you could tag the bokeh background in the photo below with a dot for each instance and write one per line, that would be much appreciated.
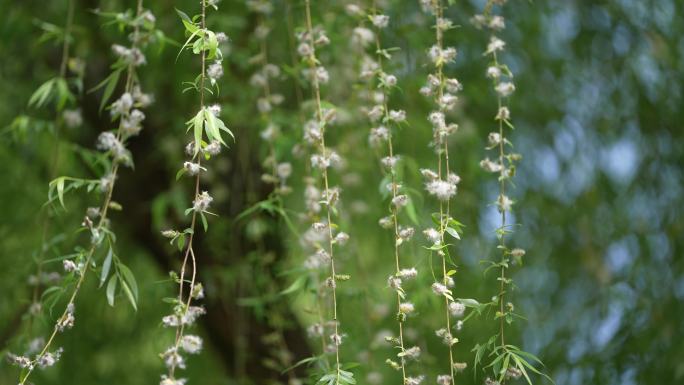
(598, 111)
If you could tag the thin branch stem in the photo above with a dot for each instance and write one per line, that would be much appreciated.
(319, 115)
(394, 210)
(67, 38)
(189, 251)
(502, 193)
(97, 229)
(443, 155)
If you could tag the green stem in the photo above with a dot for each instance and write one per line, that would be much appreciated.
(502, 191)
(103, 218)
(189, 251)
(444, 212)
(394, 210)
(319, 115)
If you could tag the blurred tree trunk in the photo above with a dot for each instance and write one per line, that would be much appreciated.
(232, 327)
(236, 334)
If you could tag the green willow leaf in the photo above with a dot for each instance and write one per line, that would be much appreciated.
(41, 95)
(129, 279)
(106, 265)
(198, 123)
(111, 289)
(129, 295)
